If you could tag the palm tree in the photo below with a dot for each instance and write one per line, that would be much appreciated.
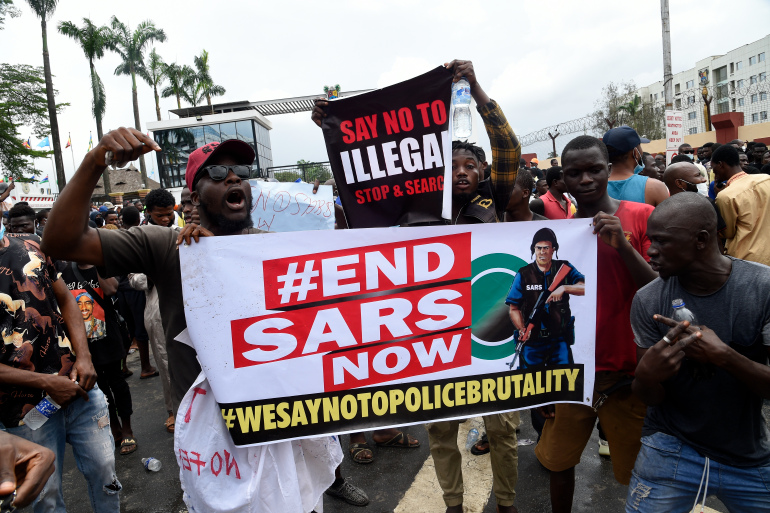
(93, 41)
(204, 76)
(192, 87)
(154, 73)
(130, 46)
(44, 9)
(175, 75)
(631, 107)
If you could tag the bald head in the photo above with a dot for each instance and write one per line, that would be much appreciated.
(682, 177)
(689, 211)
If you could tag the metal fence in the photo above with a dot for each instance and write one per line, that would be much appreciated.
(750, 96)
(307, 172)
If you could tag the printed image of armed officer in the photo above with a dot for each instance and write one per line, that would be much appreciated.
(538, 304)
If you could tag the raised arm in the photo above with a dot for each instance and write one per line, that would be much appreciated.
(67, 235)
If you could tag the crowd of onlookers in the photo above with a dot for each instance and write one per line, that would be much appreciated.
(678, 400)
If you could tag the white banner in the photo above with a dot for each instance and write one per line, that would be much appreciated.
(674, 133)
(291, 206)
(305, 334)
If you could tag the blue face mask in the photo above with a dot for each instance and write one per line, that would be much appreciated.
(638, 169)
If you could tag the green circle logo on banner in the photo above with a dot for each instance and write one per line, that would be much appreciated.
(491, 328)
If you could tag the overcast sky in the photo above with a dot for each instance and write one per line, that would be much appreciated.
(544, 62)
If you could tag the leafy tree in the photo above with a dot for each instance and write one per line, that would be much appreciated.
(93, 40)
(313, 170)
(44, 9)
(208, 86)
(154, 73)
(192, 87)
(7, 9)
(175, 76)
(23, 102)
(130, 46)
(620, 105)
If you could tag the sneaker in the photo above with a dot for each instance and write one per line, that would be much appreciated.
(349, 493)
(604, 448)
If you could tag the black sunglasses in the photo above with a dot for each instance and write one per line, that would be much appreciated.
(219, 173)
(688, 152)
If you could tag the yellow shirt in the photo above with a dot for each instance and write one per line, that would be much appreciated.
(744, 207)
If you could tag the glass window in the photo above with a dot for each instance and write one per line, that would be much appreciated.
(227, 131)
(754, 98)
(755, 117)
(762, 96)
(678, 104)
(761, 57)
(244, 130)
(211, 132)
(677, 88)
(693, 130)
(690, 84)
(741, 102)
(691, 100)
(199, 140)
(762, 76)
(738, 65)
(739, 84)
(763, 114)
(753, 79)
(692, 115)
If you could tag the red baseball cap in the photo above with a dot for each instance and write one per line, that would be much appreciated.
(239, 150)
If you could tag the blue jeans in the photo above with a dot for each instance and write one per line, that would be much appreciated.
(668, 471)
(551, 351)
(85, 426)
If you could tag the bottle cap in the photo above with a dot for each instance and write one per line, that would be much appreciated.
(677, 303)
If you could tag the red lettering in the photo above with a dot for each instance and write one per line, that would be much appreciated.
(438, 109)
(432, 182)
(229, 465)
(405, 118)
(360, 198)
(423, 108)
(211, 466)
(391, 122)
(417, 188)
(361, 131)
(440, 181)
(349, 136)
(376, 194)
(196, 391)
(409, 189)
(424, 185)
(372, 122)
(198, 461)
(184, 458)
(368, 198)
(385, 190)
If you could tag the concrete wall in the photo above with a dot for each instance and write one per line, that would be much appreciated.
(745, 133)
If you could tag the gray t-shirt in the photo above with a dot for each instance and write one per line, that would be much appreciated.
(705, 406)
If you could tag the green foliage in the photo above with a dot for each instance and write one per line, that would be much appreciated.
(192, 87)
(130, 46)
(208, 87)
(175, 75)
(620, 105)
(44, 9)
(93, 41)
(23, 102)
(7, 9)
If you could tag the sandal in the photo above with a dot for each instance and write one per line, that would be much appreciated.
(127, 446)
(348, 493)
(481, 447)
(150, 375)
(358, 453)
(400, 440)
(170, 422)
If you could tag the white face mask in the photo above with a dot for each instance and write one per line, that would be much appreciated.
(703, 189)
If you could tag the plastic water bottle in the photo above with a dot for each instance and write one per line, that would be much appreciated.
(151, 464)
(682, 313)
(473, 437)
(461, 105)
(40, 414)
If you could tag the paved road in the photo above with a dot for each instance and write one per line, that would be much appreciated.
(399, 480)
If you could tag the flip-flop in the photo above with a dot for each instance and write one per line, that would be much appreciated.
(356, 453)
(127, 446)
(398, 441)
(151, 375)
(170, 424)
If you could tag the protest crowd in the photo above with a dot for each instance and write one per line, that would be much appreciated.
(677, 402)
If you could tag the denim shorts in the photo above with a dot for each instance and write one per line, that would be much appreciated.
(668, 473)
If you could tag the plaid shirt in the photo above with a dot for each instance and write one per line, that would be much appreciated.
(506, 152)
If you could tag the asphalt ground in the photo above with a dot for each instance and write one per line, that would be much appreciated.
(399, 480)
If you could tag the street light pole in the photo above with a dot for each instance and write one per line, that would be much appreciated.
(668, 76)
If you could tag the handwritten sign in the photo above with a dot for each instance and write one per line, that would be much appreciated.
(674, 133)
(291, 207)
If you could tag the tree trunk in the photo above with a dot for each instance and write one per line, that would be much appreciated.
(208, 99)
(157, 101)
(61, 180)
(178, 102)
(99, 134)
(137, 123)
